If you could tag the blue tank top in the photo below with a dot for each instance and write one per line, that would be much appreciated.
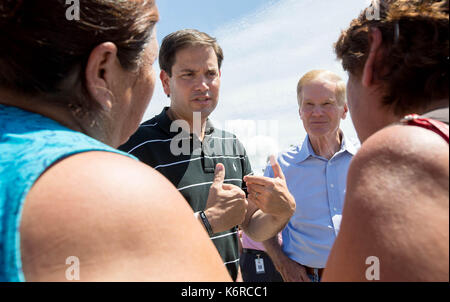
(29, 144)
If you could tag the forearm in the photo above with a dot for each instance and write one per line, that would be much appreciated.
(275, 251)
(262, 226)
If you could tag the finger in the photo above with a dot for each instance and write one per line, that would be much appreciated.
(229, 187)
(255, 201)
(257, 188)
(245, 210)
(260, 180)
(277, 172)
(219, 175)
(234, 190)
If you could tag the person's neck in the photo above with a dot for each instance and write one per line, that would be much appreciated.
(326, 146)
(196, 126)
(54, 111)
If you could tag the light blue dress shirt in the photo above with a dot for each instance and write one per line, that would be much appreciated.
(318, 186)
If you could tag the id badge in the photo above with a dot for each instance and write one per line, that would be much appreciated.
(259, 266)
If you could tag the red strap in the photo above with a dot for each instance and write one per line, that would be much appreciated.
(436, 126)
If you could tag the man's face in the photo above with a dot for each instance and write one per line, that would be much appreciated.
(195, 82)
(320, 112)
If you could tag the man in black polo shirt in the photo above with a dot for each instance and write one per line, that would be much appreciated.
(206, 164)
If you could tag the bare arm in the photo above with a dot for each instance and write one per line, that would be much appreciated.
(396, 209)
(123, 220)
(260, 226)
(290, 270)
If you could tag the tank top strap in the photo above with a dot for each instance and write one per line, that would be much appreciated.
(436, 126)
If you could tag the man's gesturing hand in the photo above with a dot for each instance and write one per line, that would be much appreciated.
(226, 206)
(271, 195)
(292, 271)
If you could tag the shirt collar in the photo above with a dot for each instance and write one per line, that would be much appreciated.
(307, 150)
(347, 145)
(164, 122)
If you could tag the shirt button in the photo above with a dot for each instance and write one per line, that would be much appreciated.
(332, 186)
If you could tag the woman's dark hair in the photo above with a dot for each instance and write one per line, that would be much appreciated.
(40, 47)
(415, 46)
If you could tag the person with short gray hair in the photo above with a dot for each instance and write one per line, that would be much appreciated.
(316, 173)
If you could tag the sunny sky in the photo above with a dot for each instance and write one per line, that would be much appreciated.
(268, 46)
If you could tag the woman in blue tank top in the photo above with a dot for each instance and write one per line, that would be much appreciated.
(71, 206)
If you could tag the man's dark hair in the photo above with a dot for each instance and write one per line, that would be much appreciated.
(182, 39)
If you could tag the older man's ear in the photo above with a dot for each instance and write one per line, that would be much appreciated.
(344, 114)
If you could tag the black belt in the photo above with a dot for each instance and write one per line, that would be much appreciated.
(254, 252)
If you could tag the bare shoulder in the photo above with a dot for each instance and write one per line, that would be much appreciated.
(414, 157)
(396, 208)
(120, 218)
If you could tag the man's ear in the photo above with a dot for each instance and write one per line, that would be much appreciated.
(100, 71)
(299, 101)
(165, 82)
(344, 114)
(375, 40)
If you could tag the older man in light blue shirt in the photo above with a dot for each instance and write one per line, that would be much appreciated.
(315, 174)
(318, 185)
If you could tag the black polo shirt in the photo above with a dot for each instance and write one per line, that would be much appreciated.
(189, 164)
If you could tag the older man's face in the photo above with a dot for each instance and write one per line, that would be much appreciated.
(319, 110)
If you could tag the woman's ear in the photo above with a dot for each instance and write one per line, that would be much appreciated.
(101, 70)
(375, 40)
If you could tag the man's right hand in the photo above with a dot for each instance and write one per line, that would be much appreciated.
(226, 206)
(291, 271)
